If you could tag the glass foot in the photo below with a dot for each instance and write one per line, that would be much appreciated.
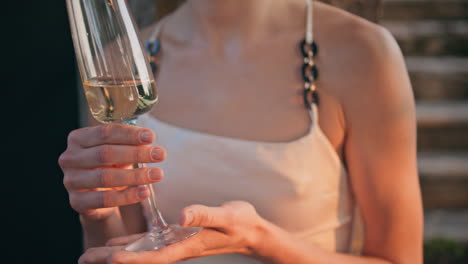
(168, 236)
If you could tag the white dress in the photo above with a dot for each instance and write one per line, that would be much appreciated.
(300, 185)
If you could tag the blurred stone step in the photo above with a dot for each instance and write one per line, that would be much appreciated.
(143, 12)
(424, 9)
(439, 86)
(441, 113)
(447, 64)
(442, 126)
(444, 179)
(446, 224)
(430, 37)
(445, 138)
(438, 78)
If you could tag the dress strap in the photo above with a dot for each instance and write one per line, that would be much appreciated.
(154, 45)
(157, 29)
(308, 49)
(309, 69)
(313, 113)
(309, 37)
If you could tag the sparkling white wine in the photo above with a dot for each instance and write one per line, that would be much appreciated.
(113, 100)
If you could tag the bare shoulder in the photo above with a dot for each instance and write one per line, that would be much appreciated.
(364, 63)
(352, 35)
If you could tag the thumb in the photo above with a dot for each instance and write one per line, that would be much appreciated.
(204, 216)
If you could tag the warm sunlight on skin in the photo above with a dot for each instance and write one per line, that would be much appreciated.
(366, 111)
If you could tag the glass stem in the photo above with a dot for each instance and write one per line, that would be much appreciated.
(157, 221)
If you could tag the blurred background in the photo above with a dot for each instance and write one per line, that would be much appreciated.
(40, 73)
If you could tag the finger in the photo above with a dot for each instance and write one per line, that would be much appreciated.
(122, 241)
(111, 134)
(84, 201)
(112, 155)
(208, 242)
(108, 178)
(97, 255)
(204, 216)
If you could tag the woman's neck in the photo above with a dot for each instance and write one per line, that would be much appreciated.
(218, 22)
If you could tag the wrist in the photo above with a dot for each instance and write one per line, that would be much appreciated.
(276, 245)
(263, 239)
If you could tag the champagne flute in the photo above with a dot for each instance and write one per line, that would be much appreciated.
(119, 86)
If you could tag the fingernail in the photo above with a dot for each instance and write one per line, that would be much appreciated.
(146, 136)
(154, 175)
(156, 153)
(143, 193)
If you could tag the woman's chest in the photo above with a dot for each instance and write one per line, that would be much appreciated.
(299, 179)
(254, 99)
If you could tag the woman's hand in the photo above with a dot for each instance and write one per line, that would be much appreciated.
(98, 171)
(235, 227)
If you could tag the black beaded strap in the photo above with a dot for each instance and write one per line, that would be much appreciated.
(309, 73)
(309, 69)
(153, 47)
